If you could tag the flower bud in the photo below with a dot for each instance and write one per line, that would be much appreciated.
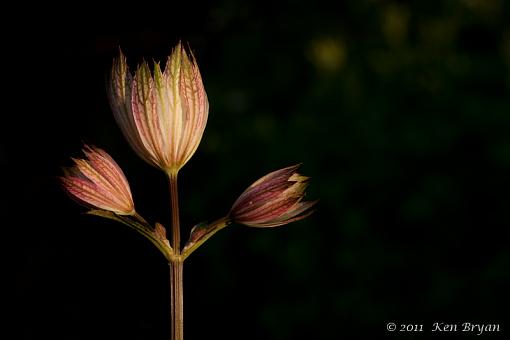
(273, 200)
(162, 114)
(98, 181)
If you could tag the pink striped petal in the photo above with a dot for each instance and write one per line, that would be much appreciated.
(99, 182)
(163, 114)
(273, 200)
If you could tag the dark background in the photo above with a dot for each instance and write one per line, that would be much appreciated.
(399, 111)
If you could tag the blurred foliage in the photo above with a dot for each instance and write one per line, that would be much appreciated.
(400, 113)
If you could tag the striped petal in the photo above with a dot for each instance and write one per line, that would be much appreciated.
(163, 114)
(273, 200)
(98, 181)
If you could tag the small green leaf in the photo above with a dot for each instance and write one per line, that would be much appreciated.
(201, 233)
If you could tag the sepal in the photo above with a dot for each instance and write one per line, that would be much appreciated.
(201, 233)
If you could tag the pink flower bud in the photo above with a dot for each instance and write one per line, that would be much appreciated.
(273, 200)
(162, 114)
(99, 182)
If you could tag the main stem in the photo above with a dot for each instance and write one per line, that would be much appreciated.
(176, 229)
(176, 265)
(177, 299)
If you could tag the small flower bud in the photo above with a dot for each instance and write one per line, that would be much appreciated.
(99, 182)
(273, 200)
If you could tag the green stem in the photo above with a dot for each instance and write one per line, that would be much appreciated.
(144, 229)
(149, 234)
(174, 198)
(211, 229)
(176, 264)
(176, 300)
(142, 220)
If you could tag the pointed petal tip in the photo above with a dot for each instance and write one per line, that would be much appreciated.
(89, 149)
(86, 148)
(184, 49)
(143, 65)
(119, 62)
(292, 168)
